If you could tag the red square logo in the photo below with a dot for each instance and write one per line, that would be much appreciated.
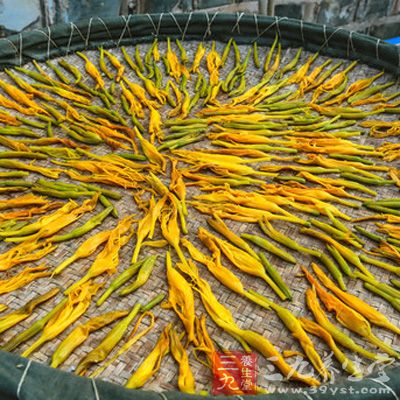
(235, 372)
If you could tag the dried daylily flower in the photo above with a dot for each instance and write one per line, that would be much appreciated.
(176, 69)
(24, 252)
(141, 94)
(218, 162)
(92, 70)
(14, 317)
(181, 298)
(227, 278)
(177, 185)
(7, 103)
(318, 330)
(59, 220)
(294, 325)
(116, 63)
(223, 318)
(14, 164)
(170, 230)
(133, 338)
(339, 336)
(152, 362)
(348, 254)
(214, 265)
(151, 152)
(23, 201)
(42, 222)
(348, 317)
(218, 224)
(250, 200)
(99, 353)
(108, 259)
(336, 81)
(201, 50)
(242, 260)
(143, 276)
(28, 213)
(135, 106)
(87, 248)
(186, 381)
(354, 88)
(78, 302)
(356, 303)
(146, 225)
(81, 333)
(23, 278)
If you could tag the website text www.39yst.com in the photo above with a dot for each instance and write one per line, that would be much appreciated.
(333, 391)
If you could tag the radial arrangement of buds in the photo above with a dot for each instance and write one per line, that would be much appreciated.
(264, 139)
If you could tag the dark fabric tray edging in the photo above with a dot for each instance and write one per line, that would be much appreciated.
(25, 380)
(60, 40)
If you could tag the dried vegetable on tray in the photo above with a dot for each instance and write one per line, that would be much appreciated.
(116, 154)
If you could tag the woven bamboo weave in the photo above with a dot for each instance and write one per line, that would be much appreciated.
(246, 314)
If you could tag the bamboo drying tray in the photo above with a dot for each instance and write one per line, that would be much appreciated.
(56, 43)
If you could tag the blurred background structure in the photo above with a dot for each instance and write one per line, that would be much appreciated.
(379, 18)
